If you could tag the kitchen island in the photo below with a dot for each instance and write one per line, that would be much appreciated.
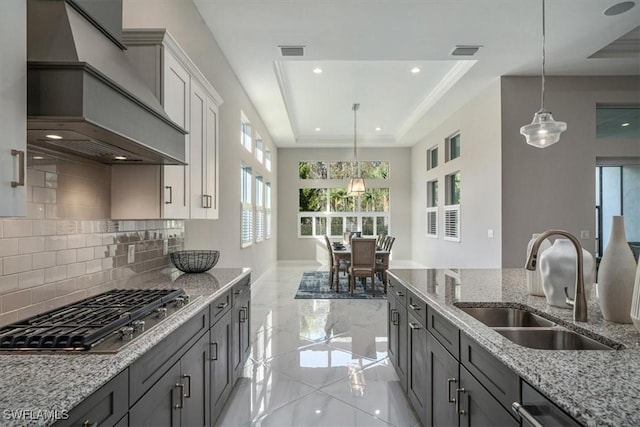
(596, 387)
(40, 388)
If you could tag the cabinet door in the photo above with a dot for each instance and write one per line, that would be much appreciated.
(175, 101)
(442, 378)
(211, 159)
(478, 408)
(221, 374)
(160, 406)
(245, 324)
(398, 339)
(13, 107)
(197, 162)
(196, 376)
(417, 377)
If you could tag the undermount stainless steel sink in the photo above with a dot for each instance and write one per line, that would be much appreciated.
(551, 339)
(507, 316)
(528, 329)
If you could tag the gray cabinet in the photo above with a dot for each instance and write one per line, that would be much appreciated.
(542, 410)
(477, 407)
(221, 372)
(241, 326)
(442, 381)
(417, 366)
(397, 335)
(181, 395)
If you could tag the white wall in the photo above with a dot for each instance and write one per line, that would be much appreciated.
(479, 163)
(290, 247)
(182, 20)
(555, 187)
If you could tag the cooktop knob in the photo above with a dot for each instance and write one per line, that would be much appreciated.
(180, 302)
(126, 333)
(138, 325)
(161, 312)
(186, 298)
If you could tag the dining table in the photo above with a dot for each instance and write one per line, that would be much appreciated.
(344, 253)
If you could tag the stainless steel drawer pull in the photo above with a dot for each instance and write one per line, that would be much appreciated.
(459, 391)
(168, 202)
(414, 307)
(525, 415)
(20, 181)
(414, 326)
(89, 423)
(180, 404)
(394, 320)
(223, 305)
(400, 294)
(214, 354)
(449, 382)
(187, 376)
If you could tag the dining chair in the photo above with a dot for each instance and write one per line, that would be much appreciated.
(363, 262)
(335, 267)
(382, 264)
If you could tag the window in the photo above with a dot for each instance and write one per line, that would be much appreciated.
(267, 160)
(312, 170)
(618, 121)
(453, 147)
(452, 207)
(267, 206)
(342, 170)
(246, 220)
(375, 169)
(259, 149)
(245, 133)
(432, 208)
(260, 214)
(432, 157)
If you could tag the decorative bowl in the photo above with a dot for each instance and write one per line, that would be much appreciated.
(194, 261)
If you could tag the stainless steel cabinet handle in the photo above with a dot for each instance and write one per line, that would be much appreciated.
(209, 201)
(214, 354)
(168, 187)
(414, 307)
(459, 391)
(243, 315)
(205, 201)
(223, 305)
(180, 404)
(449, 382)
(88, 423)
(237, 291)
(525, 415)
(187, 376)
(414, 326)
(400, 294)
(20, 181)
(393, 316)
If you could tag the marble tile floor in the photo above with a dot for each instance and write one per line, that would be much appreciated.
(315, 362)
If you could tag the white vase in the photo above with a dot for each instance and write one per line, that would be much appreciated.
(558, 269)
(534, 278)
(635, 303)
(616, 275)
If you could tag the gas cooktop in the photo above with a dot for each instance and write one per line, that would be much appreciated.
(103, 323)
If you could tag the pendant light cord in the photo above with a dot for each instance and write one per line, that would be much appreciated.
(355, 137)
(543, 57)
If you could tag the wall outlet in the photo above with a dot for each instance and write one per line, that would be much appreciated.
(490, 233)
(584, 234)
(131, 254)
(165, 247)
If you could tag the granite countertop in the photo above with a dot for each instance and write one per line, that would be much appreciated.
(597, 387)
(35, 383)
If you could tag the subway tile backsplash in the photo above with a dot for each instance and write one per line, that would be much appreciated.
(65, 249)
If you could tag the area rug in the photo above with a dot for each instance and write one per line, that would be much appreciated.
(315, 285)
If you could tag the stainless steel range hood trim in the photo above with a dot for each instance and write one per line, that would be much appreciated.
(76, 96)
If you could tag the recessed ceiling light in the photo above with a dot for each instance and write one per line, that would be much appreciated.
(38, 157)
(378, 129)
(120, 157)
(53, 136)
(318, 129)
(415, 70)
(317, 70)
(318, 411)
(625, 124)
(619, 8)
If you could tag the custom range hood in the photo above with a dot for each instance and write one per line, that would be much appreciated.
(83, 96)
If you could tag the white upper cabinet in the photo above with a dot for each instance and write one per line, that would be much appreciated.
(13, 107)
(189, 100)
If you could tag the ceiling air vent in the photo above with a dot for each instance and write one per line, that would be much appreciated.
(465, 50)
(292, 50)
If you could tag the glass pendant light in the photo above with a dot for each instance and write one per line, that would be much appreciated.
(543, 131)
(356, 186)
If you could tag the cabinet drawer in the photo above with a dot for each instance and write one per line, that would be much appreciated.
(104, 407)
(417, 308)
(444, 331)
(501, 381)
(145, 371)
(478, 407)
(241, 290)
(543, 410)
(397, 291)
(220, 306)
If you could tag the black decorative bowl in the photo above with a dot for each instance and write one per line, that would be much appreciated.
(194, 261)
